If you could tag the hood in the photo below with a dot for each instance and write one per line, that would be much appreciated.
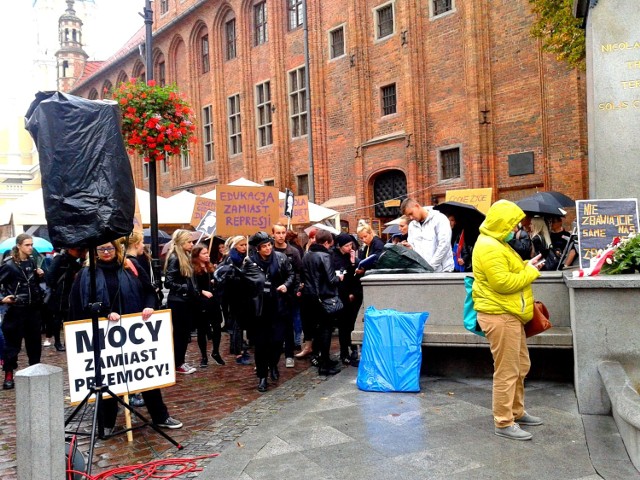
(501, 218)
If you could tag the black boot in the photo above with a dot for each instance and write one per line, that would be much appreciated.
(262, 386)
(328, 370)
(275, 374)
(8, 380)
(60, 347)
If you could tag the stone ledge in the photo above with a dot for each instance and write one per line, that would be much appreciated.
(458, 336)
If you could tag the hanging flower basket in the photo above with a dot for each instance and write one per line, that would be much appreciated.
(156, 120)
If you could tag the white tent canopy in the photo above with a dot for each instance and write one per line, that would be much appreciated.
(317, 213)
(179, 208)
(29, 210)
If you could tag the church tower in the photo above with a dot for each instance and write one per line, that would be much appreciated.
(71, 57)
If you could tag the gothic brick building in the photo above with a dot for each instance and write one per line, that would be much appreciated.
(407, 97)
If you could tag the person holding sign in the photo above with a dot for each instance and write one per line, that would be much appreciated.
(118, 291)
(270, 324)
(182, 295)
(503, 298)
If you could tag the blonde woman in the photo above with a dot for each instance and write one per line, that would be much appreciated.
(182, 295)
(541, 240)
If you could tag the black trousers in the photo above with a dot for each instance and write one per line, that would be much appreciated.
(152, 400)
(346, 322)
(21, 322)
(208, 324)
(324, 326)
(268, 335)
(181, 319)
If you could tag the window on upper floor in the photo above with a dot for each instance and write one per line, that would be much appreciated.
(384, 21)
(296, 13)
(230, 34)
(269, 182)
(162, 74)
(260, 23)
(449, 160)
(185, 159)
(164, 6)
(204, 53)
(441, 6)
(336, 42)
(263, 110)
(302, 184)
(207, 133)
(298, 102)
(235, 127)
(388, 99)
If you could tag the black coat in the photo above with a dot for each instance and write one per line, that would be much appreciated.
(342, 262)
(181, 288)
(280, 273)
(21, 280)
(319, 275)
(59, 277)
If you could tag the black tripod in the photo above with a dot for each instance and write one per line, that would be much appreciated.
(571, 244)
(98, 389)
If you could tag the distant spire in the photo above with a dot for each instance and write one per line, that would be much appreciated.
(70, 9)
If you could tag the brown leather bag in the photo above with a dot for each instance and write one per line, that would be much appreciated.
(540, 321)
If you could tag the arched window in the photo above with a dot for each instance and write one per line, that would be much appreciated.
(93, 94)
(388, 185)
(107, 87)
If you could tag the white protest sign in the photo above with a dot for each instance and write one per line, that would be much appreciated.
(135, 356)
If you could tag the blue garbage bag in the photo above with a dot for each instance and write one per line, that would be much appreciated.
(391, 351)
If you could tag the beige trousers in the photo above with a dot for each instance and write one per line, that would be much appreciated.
(510, 365)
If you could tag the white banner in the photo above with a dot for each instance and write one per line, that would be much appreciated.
(135, 356)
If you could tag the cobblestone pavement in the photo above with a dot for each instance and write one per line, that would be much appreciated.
(216, 405)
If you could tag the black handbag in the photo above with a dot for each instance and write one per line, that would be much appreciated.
(331, 305)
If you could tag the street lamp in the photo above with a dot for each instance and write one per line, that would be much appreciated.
(153, 188)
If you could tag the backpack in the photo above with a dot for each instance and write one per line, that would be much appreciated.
(399, 257)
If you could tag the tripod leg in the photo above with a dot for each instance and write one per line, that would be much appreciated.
(97, 422)
(144, 419)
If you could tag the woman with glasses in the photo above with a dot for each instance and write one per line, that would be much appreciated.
(183, 294)
(119, 291)
(20, 291)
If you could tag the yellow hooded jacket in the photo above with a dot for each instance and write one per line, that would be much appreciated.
(502, 280)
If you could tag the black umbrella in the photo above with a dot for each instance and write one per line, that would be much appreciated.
(163, 237)
(539, 204)
(561, 198)
(468, 217)
(392, 229)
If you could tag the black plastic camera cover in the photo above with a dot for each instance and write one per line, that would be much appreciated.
(87, 184)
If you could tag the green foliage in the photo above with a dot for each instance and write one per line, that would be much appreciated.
(626, 257)
(560, 31)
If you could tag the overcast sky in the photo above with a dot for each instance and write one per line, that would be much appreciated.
(118, 21)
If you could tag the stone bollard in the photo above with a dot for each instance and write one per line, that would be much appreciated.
(40, 423)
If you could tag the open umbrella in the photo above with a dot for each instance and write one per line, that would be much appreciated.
(468, 217)
(163, 237)
(392, 230)
(321, 226)
(540, 204)
(41, 245)
(562, 199)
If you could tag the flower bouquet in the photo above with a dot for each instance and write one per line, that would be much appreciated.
(620, 256)
(156, 120)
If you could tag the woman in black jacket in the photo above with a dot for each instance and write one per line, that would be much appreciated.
(182, 295)
(271, 320)
(320, 282)
(20, 291)
(343, 257)
(208, 316)
(119, 290)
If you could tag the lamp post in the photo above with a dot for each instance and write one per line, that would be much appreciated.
(153, 188)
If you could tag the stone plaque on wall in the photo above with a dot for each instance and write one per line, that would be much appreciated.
(520, 163)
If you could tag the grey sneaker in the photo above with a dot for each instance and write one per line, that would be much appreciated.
(513, 432)
(170, 422)
(289, 363)
(530, 420)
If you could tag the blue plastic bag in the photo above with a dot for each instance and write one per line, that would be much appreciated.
(469, 314)
(391, 351)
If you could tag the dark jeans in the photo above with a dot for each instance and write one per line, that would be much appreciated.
(346, 322)
(21, 323)
(208, 325)
(181, 319)
(268, 334)
(314, 312)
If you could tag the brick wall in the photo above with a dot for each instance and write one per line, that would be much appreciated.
(471, 78)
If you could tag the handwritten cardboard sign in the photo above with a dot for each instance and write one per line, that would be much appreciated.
(200, 208)
(135, 355)
(478, 197)
(246, 210)
(300, 210)
(600, 221)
